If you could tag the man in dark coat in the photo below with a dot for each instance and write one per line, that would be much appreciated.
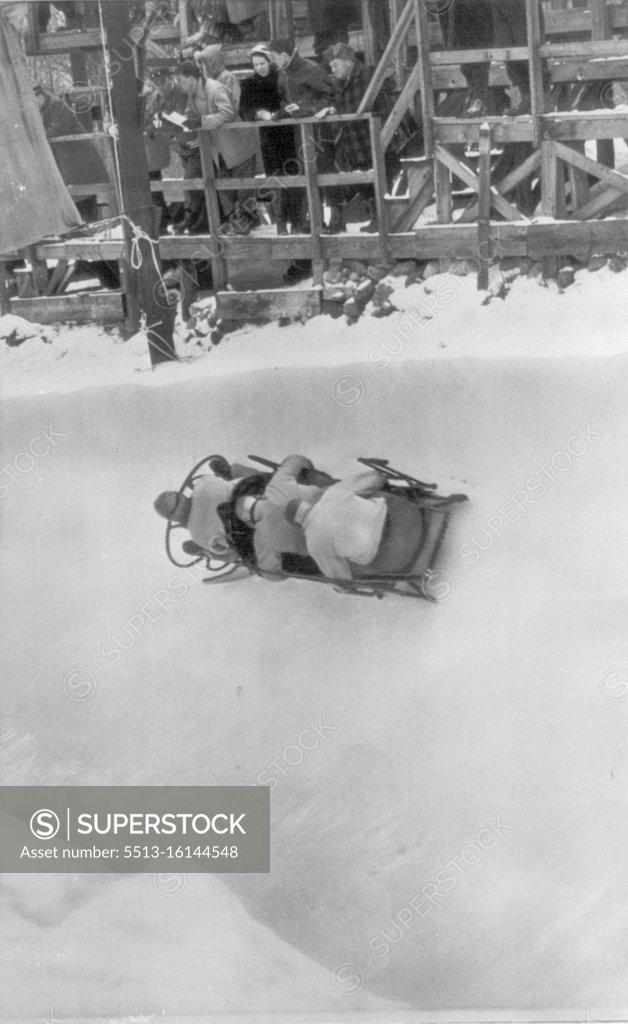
(79, 162)
(306, 89)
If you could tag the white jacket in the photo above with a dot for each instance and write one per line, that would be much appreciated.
(346, 524)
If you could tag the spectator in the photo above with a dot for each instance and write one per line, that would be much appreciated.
(260, 101)
(79, 162)
(249, 18)
(234, 152)
(306, 89)
(163, 97)
(190, 93)
(468, 25)
(352, 144)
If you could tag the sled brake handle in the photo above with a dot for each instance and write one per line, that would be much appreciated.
(263, 462)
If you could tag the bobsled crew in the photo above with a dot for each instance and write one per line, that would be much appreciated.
(374, 533)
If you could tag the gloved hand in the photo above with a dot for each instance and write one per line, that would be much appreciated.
(193, 120)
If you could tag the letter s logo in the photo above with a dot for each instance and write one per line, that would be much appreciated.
(44, 824)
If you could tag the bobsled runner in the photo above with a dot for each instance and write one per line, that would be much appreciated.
(417, 521)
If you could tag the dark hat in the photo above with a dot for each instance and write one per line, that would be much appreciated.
(189, 68)
(281, 45)
(339, 51)
(173, 506)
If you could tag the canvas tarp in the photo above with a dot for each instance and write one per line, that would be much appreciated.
(34, 201)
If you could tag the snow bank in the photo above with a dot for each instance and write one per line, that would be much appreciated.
(443, 317)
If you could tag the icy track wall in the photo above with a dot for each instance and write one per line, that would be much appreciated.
(448, 783)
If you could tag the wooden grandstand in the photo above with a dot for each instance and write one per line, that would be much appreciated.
(577, 63)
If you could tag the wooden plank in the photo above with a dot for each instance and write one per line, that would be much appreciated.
(484, 207)
(370, 44)
(90, 307)
(488, 55)
(65, 42)
(588, 71)
(600, 20)
(600, 201)
(396, 38)
(403, 102)
(535, 60)
(308, 144)
(592, 50)
(379, 167)
(578, 183)
(458, 130)
(586, 127)
(218, 262)
(552, 187)
(578, 238)
(584, 163)
(270, 304)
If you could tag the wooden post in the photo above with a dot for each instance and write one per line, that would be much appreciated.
(370, 43)
(484, 207)
(308, 145)
(379, 166)
(5, 300)
(425, 71)
(281, 19)
(552, 193)
(219, 263)
(537, 98)
(395, 8)
(601, 29)
(144, 292)
(184, 27)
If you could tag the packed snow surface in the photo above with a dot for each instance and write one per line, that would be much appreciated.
(449, 782)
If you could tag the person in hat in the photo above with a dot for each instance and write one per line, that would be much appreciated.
(261, 101)
(352, 144)
(306, 88)
(235, 153)
(330, 20)
(217, 497)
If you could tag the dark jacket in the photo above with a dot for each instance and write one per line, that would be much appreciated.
(352, 141)
(278, 144)
(330, 20)
(306, 84)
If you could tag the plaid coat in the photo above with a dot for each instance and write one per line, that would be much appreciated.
(352, 141)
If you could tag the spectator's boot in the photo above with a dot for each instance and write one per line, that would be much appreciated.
(372, 228)
(337, 223)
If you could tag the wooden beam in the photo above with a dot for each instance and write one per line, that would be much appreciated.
(506, 185)
(270, 304)
(403, 102)
(218, 262)
(375, 128)
(425, 76)
(396, 38)
(143, 290)
(584, 163)
(484, 207)
(535, 61)
(308, 148)
(80, 308)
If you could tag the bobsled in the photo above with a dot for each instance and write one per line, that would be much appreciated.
(406, 563)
